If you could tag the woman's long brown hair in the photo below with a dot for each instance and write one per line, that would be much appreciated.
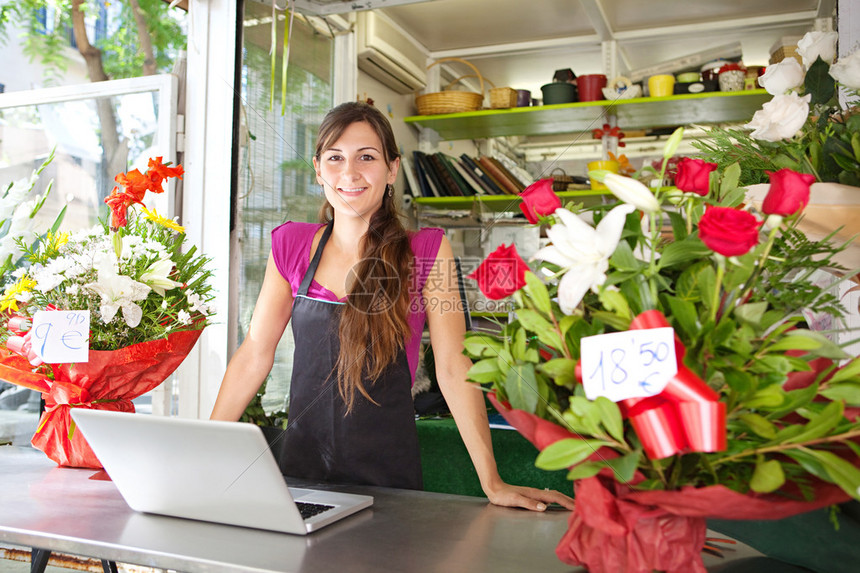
(374, 323)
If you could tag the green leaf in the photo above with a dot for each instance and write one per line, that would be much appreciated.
(855, 145)
(813, 342)
(820, 424)
(585, 414)
(840, 471)
(545, 331)
(759, 424)
(706, 278)
(846, 372)
(615, 303)
(767, 477)
(685, 315)
(794, 400)
(625, 466)
(585, 470)
(623, 259)
(480, 345)
(679, 226)
(768, 397)
(566, 322)
(560, 370)
(680, 252)
(849, 392)
(484, 371)
(739, 380)
(611, 319)
(731, 175)
(538, 294)
(819, 83)
(521, 387)
(772, 363)
(610, 417)
(751, 313)
(518, 345)
(566, 453)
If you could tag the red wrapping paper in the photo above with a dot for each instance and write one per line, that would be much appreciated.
(110, 380)
(615, 528)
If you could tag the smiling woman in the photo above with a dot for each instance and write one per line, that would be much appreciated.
(351, 415)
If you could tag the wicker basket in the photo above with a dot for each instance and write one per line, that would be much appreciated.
(503, 98)
(560, 179)
(451, 101)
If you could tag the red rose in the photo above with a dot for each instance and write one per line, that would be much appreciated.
(729, 232)
(539, 200)
(694, 176)
(788, 193)
(501, 274)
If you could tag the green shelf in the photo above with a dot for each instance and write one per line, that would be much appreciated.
(637, 113)
(499, 203)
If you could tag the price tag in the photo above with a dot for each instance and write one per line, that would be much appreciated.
(631, 364)
(60, 336)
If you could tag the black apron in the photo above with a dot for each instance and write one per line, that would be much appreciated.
(373, 445)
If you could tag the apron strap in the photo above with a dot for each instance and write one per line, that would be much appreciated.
(315, 261)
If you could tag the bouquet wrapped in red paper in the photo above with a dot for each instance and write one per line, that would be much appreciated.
(659, 352)
(146, 300)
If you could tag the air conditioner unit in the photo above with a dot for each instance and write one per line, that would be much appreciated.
(388, 54)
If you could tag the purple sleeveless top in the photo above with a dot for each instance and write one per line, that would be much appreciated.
(291, 251)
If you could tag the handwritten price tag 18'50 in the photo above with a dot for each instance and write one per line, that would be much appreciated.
(61, 336)
(631, 364)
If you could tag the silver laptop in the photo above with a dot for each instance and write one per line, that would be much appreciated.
(211, 471)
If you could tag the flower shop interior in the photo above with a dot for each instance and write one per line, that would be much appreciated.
(485, 98)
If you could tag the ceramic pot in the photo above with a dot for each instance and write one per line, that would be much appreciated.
(558, 92)
(591, 87)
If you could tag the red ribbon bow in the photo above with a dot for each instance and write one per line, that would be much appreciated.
(610, 132)
(686, 415)
(23, 346)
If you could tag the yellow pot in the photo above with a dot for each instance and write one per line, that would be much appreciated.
(612, 166)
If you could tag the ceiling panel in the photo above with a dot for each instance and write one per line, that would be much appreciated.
(626, 15)
(452, 24)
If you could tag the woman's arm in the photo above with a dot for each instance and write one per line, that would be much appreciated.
(465, 399)
(253, 360)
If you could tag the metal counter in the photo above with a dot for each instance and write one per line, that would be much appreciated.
(81, 512)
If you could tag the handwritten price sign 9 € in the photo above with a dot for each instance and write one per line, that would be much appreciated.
(61, 336)
(631, 364)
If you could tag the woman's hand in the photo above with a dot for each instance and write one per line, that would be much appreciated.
(527, 497)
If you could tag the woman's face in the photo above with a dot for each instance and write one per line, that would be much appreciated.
(354, 173)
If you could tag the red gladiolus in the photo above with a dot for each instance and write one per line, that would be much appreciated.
(501, 274)
(539, 200)
(135, 184)
(729, 232)
(157, 172)
(119, 202)
(694, 176)
(788, 193)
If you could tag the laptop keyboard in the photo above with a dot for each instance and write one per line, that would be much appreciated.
(309, 510)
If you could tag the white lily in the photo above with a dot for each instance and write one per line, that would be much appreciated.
(632, 192)
(156, 276)
(582, 252)
(118, 292)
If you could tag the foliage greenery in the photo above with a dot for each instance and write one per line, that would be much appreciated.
(741, 321)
